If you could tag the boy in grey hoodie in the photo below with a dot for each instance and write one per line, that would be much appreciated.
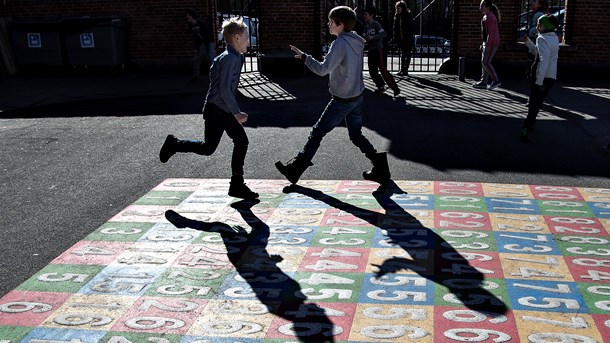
(346, 85)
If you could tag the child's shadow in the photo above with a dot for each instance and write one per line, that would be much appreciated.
(277, 291)
(431, 256)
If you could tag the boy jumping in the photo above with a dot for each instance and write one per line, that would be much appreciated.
(346, 85)
(221, 112)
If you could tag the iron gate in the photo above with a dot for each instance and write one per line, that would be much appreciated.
(431, 30)
(249, 11)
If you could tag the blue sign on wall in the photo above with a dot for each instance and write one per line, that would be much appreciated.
(34, 40)
(86, 40)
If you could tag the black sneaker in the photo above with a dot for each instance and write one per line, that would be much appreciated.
(168, 149)
(396, 91)
(380, 90)
(240, 190)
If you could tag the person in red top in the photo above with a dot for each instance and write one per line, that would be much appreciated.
(490, 37)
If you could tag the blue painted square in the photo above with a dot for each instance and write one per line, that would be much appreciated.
(525, 243)
(121, 280)
(42, 334)
(415, 237)
(400, 289)
(600, 209)
(509, 205)
(545, 296)
(414, 202)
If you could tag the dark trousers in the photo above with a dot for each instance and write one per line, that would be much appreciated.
(405, 56)
(217, 121)
(537, 96)
(377, 64)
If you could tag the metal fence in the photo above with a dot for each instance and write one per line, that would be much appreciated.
(556, 8)
(250, 12)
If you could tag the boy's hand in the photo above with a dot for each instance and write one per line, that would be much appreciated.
(297, 51)
(241, 117)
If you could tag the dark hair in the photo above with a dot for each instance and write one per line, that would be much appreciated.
(544, 5)
(191, 12)
(370, 10)
(343, 15)
(493, 8)
(403, 6)
(553, 20)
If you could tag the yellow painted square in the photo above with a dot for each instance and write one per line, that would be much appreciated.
(325, 186)
(535, 267)
(392, 323)
(526, 223)
(416, 187)
(233, 318)
(499, 190)
(595, 194)
(90, 312)
(421, 260)
(536, 326)
(297, 216)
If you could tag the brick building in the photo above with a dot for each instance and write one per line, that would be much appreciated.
(158, 36)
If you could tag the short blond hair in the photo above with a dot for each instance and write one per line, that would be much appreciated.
(233, 26)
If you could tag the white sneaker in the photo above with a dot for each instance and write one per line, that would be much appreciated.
(493, 85)
(480, 85)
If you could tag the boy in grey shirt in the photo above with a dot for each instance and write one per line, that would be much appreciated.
(221, 112)
(346, 85)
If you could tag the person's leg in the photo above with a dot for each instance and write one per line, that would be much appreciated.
(353, 121)
(490, 52)
(536, 99)
(198, 58)
(387, 77)
(374, 61)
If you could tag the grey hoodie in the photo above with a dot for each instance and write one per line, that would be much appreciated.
(344, 64)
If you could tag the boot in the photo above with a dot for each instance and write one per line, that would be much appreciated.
(381, 170)
(294, 168)
(238, 189)
(168, 149)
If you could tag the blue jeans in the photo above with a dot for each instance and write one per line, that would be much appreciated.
(335, 112)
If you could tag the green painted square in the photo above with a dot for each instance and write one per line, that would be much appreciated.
(595, 296)
(320, 282)
(557, 208)
(584, 246)
(188, 283)
(136, 337)
(471, 240)
(364, 201)
(12, 334)
(66, 278)
(345, 237)
(163, 198)
(459, 203)
(488, 295)
(120, 232)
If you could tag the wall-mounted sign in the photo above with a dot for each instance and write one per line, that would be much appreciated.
(86, 40)
(34, 40)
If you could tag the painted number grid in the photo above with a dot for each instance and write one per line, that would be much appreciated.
(335, 261)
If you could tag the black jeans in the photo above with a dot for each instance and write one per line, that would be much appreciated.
(377, 64)
(217, 121)
(537, 96)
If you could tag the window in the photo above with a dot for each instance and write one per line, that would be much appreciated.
(554, 7)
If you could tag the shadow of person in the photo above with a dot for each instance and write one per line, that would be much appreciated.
(275, 289)
(430, 255)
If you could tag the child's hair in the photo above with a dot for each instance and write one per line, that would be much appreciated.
(403, 6)
(370, 10)
(544, 5)
(493, 8)
(343, 15)
(233, 26)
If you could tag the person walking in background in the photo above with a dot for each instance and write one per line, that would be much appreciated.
(221, 112)
(538, 9)
(544, 70)
(343, 62)
(490, 37)
(203, 38)
(374, 35)
(403, 35)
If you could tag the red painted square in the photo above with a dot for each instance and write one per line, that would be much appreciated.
(461, 324)
(470, 189)
(161, 315)
(19, 308)
(339, 314)
(336, 217)
(602, 322)
(589, 269)
(92, 252)
(565, 225)
(556, 193)
(319, 263)
(462, 220)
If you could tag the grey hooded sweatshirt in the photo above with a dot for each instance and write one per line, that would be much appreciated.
(344, 64)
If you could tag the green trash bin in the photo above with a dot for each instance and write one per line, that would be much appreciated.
(36, 41)
(95, 41)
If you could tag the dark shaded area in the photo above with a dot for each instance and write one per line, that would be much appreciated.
(431, 255)
(274, 288)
